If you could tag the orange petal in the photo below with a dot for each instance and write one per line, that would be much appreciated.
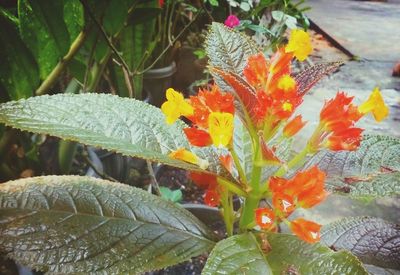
(197, 137)
(227, 162)
(203, 180)
(293, 126)
(306, 230)
(265, 218)
(185, 155)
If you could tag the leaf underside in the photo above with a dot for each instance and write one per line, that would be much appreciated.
(71, 224)
(373, 240)
(123, 125)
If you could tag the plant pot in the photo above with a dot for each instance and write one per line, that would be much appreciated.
(156, 82)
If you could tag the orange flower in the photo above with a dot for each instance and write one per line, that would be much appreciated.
(268, 154)
(185, 155)
(265, 218)
(256, 71)
(212, 197)
(284, 203)
(347, 139)
(203, 180)
(306, 188)
(306, 230)
(338, 117)
(293, 126)
(197, 137)
(299, 44)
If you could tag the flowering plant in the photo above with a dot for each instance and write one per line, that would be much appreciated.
(236, 145)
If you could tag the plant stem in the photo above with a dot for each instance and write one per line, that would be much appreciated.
(231, 187)
(299, 158)
(239, 167)
(227, 212)
(60, 67)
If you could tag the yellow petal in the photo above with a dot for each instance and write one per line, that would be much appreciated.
(220, 126)
(375, 105)
(286, 83)
(299, 44)
(175, 106)
(185, 155)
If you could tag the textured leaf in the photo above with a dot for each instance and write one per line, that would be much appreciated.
(375, 154)
(73, 17)
(373, 240)
(379, 185)
(239, 254)
(19, 74)
(310, 76)
(123, 125)
(228, 49)
(68, 224)
(290, 255)
(44, 31)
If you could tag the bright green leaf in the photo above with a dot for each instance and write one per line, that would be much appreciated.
(123, 125)
(171, 195)
(373, 240)
(71, 224)
(239, 254)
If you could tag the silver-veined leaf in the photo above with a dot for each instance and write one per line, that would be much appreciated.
(73, 224)
(123, 125)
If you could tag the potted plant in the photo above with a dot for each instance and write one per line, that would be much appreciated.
(235, 147)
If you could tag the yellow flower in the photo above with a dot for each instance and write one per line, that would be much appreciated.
(175, 106)
(286, 83)
(220, 127)
(185, 155)
(376, 105)
(299, 44)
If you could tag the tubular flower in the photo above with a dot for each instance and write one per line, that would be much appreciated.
(220, 128)
(268, 154)
(185, 155)
(175, 106)
(265, 218)
(306, 230)
(375, 105)
(210, 184)
(256, 71)
(293, 126)
(212, 197)
(299, 44)
(337, 119)
(227, 162)
(305, 189)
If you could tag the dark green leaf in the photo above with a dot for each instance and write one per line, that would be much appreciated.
(43, 30)
(127, 126)
(290, 254)
(72, 224)
(19, 73)
(239, 254)
(73, 17)
(373, 240)
(115, 16)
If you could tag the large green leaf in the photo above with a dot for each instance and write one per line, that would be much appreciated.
(19, 73)
(73, 17)
(44, 31)
(373, 240)
(282, 254)
(243, 146)
(239, 254)
(127, 126)
(290, 255)
(378, 185)
(71, 224)
(376, 153)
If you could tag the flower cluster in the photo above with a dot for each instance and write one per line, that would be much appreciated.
(305, 189)
(268, 95)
